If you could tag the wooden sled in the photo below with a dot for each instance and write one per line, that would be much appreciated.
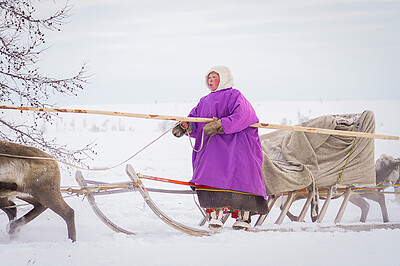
(95, 188)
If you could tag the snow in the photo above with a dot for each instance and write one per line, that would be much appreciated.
(44, 241)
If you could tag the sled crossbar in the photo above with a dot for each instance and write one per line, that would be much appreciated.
(205, 120)
(101, 188)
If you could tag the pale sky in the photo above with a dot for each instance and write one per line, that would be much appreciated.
(158, 51)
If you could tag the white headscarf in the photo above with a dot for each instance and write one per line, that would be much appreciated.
(225, 77)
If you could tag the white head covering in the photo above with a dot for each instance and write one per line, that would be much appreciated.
(225, 77)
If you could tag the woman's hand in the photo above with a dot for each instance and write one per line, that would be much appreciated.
(213, 128)
(185, 124)
(180, 129)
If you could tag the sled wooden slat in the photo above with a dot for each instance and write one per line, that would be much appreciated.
(343, 206)
(205, 120)
(305, 207)
(286, 206)
(174, 224)
(82, 182)
(270, 203)
(325, 206)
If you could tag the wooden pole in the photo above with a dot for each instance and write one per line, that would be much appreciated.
(327, 131)
(205, 120)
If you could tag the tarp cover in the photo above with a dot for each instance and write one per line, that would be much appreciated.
(292, 159)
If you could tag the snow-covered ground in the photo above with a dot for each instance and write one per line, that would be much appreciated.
(44, 241)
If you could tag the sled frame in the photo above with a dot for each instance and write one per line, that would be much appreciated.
(91, 189)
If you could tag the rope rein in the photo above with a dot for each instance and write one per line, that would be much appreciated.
(201, 144)
(111, 167)
(87, 168)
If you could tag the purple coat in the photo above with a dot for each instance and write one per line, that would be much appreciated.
(232, 160)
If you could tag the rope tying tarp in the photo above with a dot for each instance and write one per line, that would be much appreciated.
(347, 161)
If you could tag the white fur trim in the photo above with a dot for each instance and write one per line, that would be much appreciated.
(225, 77)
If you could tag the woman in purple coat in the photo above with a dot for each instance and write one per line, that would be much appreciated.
(227, 156)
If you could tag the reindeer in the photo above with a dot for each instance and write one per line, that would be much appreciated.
(387, 172)
(31, 175)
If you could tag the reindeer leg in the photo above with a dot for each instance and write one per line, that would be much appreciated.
(67, 213)
(54, 201)
(380, 199)
(5, 203)
(15, 225)
(11, 212)
(358, 200)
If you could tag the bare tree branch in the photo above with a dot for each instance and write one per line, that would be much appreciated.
(22, 40)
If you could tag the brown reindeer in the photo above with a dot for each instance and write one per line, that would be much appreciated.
(31, 175)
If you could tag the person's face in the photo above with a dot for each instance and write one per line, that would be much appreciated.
(213, 81)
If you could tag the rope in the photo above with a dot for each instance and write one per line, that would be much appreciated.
(93, 188)
(201, 147)
(106, 168)
(28, 204)
(201, 144)
(202, 139)
(28, 157)
(87, 168)
(339, 180)
(378, 187)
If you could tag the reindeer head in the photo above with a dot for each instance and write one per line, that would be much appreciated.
(387, 169)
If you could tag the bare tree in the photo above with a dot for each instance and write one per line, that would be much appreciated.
(22, 40)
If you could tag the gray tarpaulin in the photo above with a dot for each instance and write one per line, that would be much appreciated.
(292, 160)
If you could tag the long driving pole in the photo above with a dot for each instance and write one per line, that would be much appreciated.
(205, 120)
